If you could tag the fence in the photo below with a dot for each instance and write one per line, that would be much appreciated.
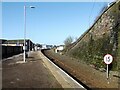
(8, 51)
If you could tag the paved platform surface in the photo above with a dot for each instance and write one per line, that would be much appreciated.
(37, 72)
(32, 74)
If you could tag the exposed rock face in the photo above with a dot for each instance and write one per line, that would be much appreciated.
(102, 38)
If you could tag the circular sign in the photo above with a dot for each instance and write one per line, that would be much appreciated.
(108, 58)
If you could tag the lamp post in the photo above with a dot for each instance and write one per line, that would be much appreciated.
(25, 30)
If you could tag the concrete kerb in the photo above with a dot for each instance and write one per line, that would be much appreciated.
(44, 57)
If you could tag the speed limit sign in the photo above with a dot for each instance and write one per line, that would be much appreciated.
(108, 59)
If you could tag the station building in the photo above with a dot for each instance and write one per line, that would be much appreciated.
(19, 42)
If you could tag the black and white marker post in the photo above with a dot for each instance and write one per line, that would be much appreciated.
(108, 60)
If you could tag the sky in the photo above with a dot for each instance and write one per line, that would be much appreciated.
(49, 22)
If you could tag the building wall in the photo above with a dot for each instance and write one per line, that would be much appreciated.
(29, 44)
(8, 51)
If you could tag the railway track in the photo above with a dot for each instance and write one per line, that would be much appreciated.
(61, 65)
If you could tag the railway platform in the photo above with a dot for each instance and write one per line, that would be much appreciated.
(36, 72)
(31, 74)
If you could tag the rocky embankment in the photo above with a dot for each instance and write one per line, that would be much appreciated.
(103, 37)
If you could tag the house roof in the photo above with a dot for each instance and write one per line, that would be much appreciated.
(15, 41)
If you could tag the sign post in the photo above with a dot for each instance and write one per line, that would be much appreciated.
(108, 60)
(107, 72)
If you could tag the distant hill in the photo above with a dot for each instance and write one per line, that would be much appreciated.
(103, 37)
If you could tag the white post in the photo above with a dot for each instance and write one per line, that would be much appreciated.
(56, 50)
(107, 71)
(24, 30)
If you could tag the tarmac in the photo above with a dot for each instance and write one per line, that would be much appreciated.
(37, 72)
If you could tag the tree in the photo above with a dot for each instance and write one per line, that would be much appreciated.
(68, 41)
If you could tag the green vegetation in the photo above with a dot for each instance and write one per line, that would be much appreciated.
(118, 54)
(92, 52)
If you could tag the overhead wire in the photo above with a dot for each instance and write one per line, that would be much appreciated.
(91, 12)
